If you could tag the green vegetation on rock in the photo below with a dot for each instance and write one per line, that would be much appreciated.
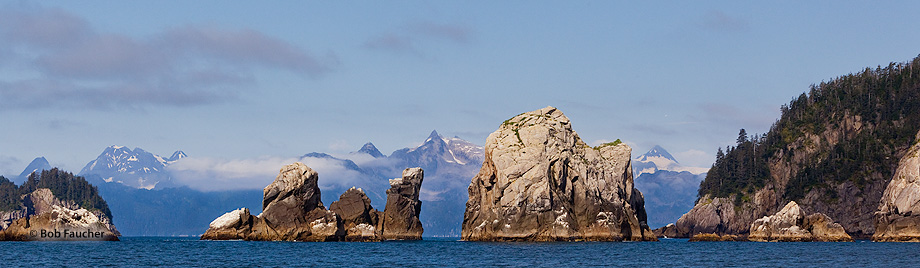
(64, 185)
(852, 129)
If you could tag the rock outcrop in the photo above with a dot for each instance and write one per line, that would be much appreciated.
(359, 218)
(792, 225)
(44, 217)
(541, 182)
(898, 216)
(292, 211)
(400, 216)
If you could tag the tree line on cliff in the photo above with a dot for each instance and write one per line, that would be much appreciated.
(886, 103)
(64, 185)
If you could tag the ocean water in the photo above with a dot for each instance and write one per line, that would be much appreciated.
(439, 252)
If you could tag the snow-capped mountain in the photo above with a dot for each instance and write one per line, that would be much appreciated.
(659, 159)
(437, 152)
(371, 150)
(669, 188)
(37, 165)
(176, 156)
(135, 168)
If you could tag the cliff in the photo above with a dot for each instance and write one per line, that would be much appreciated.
(898, 216)
(541, 182)
(43, 217)
(833, 151)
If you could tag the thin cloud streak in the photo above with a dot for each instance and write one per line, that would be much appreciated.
(73, 65)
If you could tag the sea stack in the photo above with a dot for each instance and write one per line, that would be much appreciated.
(898, 218)
(541, 182)
(359, 218)
(400, 216)
(292, 211)
(44, 217)
(792, 225)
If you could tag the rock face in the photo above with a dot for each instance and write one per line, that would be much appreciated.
(44, 217)
(292, 211)
(541, 182)
(359, 219)
(898, 216)
(400, 217)
(791, 225)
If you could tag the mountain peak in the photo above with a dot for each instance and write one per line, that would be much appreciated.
(434, 135)
(177, 155)
(37, 165)
(370, 149)
(657, 151)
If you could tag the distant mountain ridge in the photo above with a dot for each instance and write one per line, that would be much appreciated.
(141, 191)
(669, 188)
(134, 168)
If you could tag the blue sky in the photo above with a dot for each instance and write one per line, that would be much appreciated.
(243, 80)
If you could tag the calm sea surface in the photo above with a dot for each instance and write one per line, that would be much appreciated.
(435, 252)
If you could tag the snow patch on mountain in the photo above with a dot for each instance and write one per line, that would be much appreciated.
(659, 159)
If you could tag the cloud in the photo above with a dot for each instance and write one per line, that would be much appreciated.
(407, 41)
(394, 43)
(695, 158)
(215, 174)
(449, 32)
(719, 21)
(69, 64)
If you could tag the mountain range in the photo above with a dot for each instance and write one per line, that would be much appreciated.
(146, 199)
(143, 193)
(669, 188)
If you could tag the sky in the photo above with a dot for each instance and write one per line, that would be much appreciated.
(230, 81)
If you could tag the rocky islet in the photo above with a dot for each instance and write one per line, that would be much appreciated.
(292, 211)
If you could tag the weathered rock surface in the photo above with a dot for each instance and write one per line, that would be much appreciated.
(711, 237)
(292, 211)
(898, 216)
(359, 218)
(400, 216)
(541, 182)
(792, 225)
(44, 217)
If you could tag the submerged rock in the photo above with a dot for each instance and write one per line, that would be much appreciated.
(400, 216)
(898, 216)
(292, 211)
(541, 182)
(711, 237)
(791, 225)
(44, 217)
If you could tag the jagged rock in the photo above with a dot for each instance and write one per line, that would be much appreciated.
(292, 211)
(44, 217)
(791, 225)
(359, 218)
(400, 216)
(541, 182)
(898, 216)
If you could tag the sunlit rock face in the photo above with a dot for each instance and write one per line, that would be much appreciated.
(541, 182)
